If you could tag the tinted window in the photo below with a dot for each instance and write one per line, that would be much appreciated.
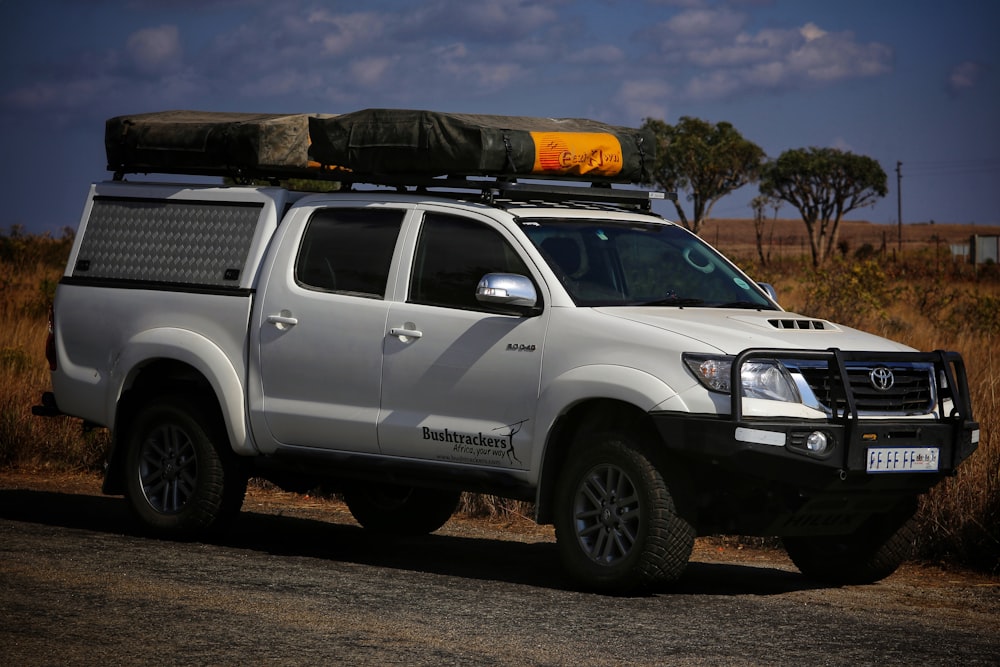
(349, 250)
(453, 254)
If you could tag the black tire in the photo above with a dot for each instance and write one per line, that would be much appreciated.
(617, 526)
(864, 557)
(181, 479)
(400, 510)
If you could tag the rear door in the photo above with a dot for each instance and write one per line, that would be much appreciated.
(460, 380)
(321, 326)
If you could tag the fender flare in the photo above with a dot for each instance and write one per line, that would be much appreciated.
(201, 354)
(600, 381)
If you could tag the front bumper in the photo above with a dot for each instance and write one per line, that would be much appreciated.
(755, 475)
(776, 451)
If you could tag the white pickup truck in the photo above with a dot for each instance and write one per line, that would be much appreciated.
(561, 345)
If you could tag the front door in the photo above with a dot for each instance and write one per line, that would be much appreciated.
(460, 381)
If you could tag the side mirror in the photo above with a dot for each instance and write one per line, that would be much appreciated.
(507, 290)
(769, 290)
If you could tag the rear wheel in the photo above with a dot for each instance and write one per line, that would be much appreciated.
(401, 510)
(181, 479)
(617, 525)
(870, 554)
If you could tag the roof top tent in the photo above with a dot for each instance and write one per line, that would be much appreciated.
(396, 147)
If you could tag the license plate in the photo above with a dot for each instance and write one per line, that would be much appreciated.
(902, 459)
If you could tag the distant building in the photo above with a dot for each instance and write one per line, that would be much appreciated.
(984, 249)
(979, 250)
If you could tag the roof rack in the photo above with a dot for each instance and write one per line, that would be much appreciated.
(485, 189)
(493, 190)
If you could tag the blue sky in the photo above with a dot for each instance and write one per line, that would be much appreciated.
(916, 81)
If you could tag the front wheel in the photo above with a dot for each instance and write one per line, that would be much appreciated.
(864, 557)
(181, 480)
(617, 526)
(400, 510)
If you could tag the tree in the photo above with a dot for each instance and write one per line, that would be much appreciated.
(758, 204)
(707, 160)
(824, 184)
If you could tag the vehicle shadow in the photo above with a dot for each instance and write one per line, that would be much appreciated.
(530, 564)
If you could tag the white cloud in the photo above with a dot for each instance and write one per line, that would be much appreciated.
(51, 96)
(460, 53)
(714, 85)
(452, 52)
(341, 33)
(842, 144)
(155, 50)
(459, 64)
(497, 20)
(479, 76)
(176, 89)
(832, 56)
(643, 98)
(964, 76)
(439, 45)
(602, 54)
(683, 4)
(288, 81)
(811, 31)
(731, 61)
(370, 72)
(698, 23)
(767, 75)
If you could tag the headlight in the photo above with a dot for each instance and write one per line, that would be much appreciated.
(759, 379)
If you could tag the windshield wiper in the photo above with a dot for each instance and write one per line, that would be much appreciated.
(749, 305)
(673, 301)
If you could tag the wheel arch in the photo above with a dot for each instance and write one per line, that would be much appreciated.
(183, 356)
(597, 414)
(174, 361)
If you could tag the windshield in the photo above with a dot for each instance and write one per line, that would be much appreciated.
(607, 263)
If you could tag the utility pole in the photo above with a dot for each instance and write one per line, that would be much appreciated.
(899, 204)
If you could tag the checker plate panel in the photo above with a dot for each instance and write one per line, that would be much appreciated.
(167, 241)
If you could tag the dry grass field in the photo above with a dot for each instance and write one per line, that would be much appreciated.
(918, 296)
(924, 298)
(787, 237)
(29, 269)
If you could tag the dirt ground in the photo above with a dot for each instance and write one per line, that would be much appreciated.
(296, 581)
(269, 500)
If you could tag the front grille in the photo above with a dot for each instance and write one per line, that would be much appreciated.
(911, 392)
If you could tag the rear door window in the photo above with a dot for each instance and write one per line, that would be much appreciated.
(349, 251)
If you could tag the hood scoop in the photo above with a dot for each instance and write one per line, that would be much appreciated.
(800, 324)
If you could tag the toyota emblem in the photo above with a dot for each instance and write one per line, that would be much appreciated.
(882, 378)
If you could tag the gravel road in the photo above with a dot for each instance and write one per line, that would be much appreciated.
(297, 582)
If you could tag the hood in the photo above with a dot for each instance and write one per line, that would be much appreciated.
(731, 331)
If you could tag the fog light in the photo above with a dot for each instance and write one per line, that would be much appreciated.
(817, 442)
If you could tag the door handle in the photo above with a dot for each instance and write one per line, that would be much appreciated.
(283, 321)
(403, 333)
